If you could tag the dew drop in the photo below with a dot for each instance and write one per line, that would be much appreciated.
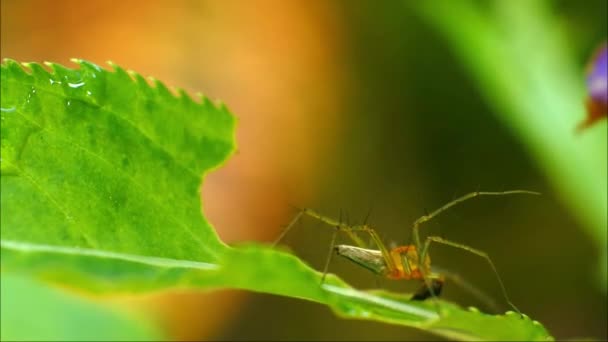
(8, 110)
(32, 103)
(75, 85)
(31, 94)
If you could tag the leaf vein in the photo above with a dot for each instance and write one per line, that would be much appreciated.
(78, 251)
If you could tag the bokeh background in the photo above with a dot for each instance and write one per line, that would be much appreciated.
(355, 106)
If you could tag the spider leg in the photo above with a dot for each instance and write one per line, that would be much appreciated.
(423, 250)
(477, 252)
(287, 228)
(458, 200)
(470, 288)
(351, 232)
(330, 254)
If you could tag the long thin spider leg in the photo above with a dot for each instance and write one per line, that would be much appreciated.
(477, 252)
(288, 227)
(333, 223)
(461, 199)
(425, 218)
(350, 231)
(330, 254)
(369, 212)
(427, 278)
(469, 287)
(324, 219)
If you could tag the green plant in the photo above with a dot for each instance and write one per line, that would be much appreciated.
(32, 311)
(100, 174)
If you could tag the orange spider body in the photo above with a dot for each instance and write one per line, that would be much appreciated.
(401, 263)
(405, 259)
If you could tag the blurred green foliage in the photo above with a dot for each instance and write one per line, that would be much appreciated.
(33, 311)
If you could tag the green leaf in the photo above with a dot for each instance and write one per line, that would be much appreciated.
(100, 178)
(31, 311)
(107, 162)
(257, 268)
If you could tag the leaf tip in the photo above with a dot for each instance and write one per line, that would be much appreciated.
(90, 66)
(8, 61)
(57, 69)
(36, 69)
(161, 88)
(221, 105)
(13, 66)
(119, 71)
(202, 99)
(27, 66)
(183, 94)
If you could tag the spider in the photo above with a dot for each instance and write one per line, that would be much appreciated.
(406, 262)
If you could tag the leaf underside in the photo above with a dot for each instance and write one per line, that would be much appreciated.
(100, 175)
(62, 316)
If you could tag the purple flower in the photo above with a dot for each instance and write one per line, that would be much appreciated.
(597, 77)
(597, 87)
